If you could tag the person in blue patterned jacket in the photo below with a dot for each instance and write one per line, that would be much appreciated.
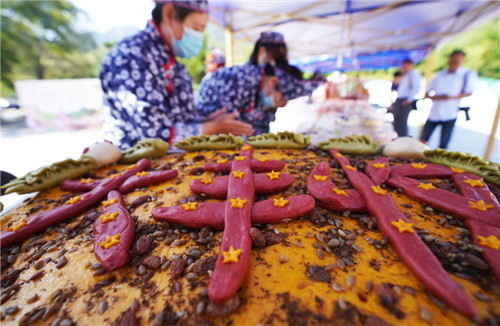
(249, 90)
(147, 92)
(271, 48)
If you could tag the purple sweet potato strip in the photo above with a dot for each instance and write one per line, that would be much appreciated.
(446, 201)
(378, 173)
(228, 277)
(323, 192)
(216, 189)
(410, 248)
(40, 222)
(477, 192)
(267, 166)
(263, 185)
(479, 228)
(257, 166)
(265, 212)
(77, 185)
(429, 171)
(115, 256)
(212, 214)
(218, 167)
(151, 179)
(206, 214)
(492, 256)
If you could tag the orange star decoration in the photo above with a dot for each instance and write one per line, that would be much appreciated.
(231, 256)
(240, 158)
(480, 205)
(402, 226)
(18, 225)
(238, 174)
(142, 174)
(108, 217)
(85, 181)
(130, 167)
(426, 186)
(319, 177)
(115, 175)
(237, 203)
(224, 160)
(273, 175)
(73, 200)
(110, 241)
(207, 180)
(491, 241)
(280, 202)
(474, 182)
(106, 203)
(339, 155)
(190, 206)
(264, 159)
(350, 167)
(456, 170)
(379, 190)
(378, 165)
(339, 192)
(245, 148)
(418, 166)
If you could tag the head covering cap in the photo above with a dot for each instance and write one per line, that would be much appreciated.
(198, 5)
(215, 56)
(271, 38)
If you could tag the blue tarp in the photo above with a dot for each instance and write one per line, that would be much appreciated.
(352, 28)
(365, 61)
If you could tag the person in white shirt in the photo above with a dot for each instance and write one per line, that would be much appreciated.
(446, 89)
(407, 91)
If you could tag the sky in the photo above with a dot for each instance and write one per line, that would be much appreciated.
(104, 15)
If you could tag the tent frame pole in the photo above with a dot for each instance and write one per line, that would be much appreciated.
(428, 73)
(491, 139)
(228, 36)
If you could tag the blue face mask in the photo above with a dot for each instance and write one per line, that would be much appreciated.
(189, 45)
(267, 101)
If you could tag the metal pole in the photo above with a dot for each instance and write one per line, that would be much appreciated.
(428, 73)
(228, 35)
(491, 140)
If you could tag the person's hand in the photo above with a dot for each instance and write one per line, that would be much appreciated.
(404, 103)
(227, 123)
(215, 114)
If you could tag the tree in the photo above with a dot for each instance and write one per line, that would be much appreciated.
(36, 33)
(482, 46)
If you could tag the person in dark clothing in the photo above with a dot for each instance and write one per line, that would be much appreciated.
(251, 92)
(147, 92)
(271, 48)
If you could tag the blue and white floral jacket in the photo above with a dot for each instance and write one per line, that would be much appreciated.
(147, 93)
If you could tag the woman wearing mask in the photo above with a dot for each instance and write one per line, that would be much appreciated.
(252, 92)
(147, 92)
(271, 48)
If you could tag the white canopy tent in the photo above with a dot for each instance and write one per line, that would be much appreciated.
(333, 27)
(321, 29)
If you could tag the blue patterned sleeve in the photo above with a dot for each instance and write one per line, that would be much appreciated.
(213, 93)
(138, 102)
(292, 87)
(185, 130)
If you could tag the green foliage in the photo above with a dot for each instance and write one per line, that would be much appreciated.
(38, 35)
(387, 74)
(39, 40)
(482, 46)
